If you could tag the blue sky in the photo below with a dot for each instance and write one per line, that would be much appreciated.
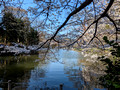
(26, 3)
(29, 3)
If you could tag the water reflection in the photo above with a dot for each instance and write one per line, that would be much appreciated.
(16, 69)
(38, 73)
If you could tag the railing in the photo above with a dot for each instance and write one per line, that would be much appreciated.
(9, 86)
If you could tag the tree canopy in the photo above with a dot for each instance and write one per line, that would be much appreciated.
(15, 30)
(66, 22)
(73, 21)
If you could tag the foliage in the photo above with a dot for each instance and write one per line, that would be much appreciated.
(73, 19)
(2, 34)
(32, 37)
(13, 27)
(15, 30)
(111, 79)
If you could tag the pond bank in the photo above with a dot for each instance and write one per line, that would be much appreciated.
(91, 61)
(93, 53)
(17, 49)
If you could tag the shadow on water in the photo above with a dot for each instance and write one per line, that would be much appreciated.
(36, 73)
(16, 69)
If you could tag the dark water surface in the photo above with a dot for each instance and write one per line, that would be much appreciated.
(34, 73)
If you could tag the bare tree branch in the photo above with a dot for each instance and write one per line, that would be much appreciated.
(86, 3)
(116, 28)
(83, 5)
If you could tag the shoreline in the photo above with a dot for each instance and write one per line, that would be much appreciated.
(17, 49)
(92, 54)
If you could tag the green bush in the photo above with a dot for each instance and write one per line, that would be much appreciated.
(111, 79)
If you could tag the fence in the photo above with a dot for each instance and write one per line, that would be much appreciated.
(9, 86)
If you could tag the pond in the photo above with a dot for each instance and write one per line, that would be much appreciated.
(31, 72)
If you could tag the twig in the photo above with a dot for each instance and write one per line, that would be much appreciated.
(114, 25)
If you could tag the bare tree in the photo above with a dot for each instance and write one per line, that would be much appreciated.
(71, 20)
(81, 15)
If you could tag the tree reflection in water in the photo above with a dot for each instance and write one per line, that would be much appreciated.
(16, 69)
(84, 77)
(83, 74)
(40, 73)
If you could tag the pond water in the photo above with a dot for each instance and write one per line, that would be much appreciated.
(34, 73)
